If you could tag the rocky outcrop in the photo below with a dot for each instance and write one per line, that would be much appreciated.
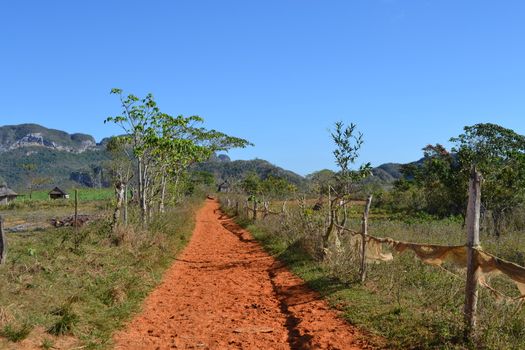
(32, 135)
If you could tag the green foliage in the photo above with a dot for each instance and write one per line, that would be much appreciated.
(438, 184)
(163, 148)
(322, 180)
(53, 166)
(67, 319)
(499, 154)
(346, 180)
(271, 187)
(199, 182)
(440, 181)
(251, 185)
(16, 334)
(277, 188)
(346, 153)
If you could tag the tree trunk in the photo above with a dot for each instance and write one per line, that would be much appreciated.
(119, 193)
(162, 193)
(125, 205)
(497, 218)
(330, 227)
(142, 202)
(144, 195)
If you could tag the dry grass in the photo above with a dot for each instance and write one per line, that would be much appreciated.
(412, 305)
(81, 285)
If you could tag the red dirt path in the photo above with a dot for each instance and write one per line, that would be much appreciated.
(225, 292)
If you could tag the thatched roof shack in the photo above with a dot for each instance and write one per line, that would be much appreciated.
(6, 195)
(57, 193)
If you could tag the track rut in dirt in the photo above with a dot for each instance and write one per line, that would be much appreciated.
(225, 292)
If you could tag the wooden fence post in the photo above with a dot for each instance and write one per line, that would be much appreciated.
(76, 208)
(471, 288)
(3, 242)
(364, 234)
(236, 208)
(254, 209)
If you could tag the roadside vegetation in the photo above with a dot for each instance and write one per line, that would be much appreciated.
(74, 288)
(409, 304)
(73, 275)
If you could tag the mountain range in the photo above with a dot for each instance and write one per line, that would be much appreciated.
(30, 152)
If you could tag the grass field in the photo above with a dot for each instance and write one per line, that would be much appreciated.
(409, 304)
(84, 194)
(74, 288)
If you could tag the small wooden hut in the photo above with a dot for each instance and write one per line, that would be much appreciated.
(57, 193)
(6, 195)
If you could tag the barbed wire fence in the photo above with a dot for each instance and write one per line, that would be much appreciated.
(479, 265)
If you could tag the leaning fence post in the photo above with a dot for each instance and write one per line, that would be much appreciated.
(236, 208)
(3, 242)
(471, 288)
(364, 234)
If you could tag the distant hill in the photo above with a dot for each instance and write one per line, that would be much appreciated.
(225, 169)
(388, 172)
(76, 159)
(61, 158)
(33, 135)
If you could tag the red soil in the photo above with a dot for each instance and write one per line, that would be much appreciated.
(225, 292)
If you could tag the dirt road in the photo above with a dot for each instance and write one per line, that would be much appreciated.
(225, 292)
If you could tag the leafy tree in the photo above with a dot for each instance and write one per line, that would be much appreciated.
(163, 147)
(276, 187)
(441, 181)
(135, 119)
(120, 169)
(322, 180)
(499, 153)
(251, 185)
(442, 177)
(348, 143)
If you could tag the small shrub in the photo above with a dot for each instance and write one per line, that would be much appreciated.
(16, 334)
(47, 344)
(67, 320)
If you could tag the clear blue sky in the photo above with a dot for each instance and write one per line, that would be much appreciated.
(278, 72)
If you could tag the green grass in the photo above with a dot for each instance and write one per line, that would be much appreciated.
(15, 334)
(409, 304)
(84, 284)
(84, 194)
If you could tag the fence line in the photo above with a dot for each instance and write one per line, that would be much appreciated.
(479, 264)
